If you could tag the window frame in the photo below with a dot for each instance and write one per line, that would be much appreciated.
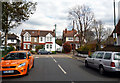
(100, 53)
(107, 55)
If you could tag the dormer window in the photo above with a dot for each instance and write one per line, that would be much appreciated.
(33, 32)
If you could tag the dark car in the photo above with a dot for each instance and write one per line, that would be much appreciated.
(41, 51)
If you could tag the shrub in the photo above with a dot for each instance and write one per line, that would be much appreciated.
(39, 47)
(53, 52)
(33, 52)
(87, 47)
(67, 47)
(11, 48)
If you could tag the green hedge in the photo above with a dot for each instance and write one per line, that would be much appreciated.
(33, 52)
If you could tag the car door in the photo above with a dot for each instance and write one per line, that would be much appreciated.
(91, 60)
(107, 60)
(98, 59)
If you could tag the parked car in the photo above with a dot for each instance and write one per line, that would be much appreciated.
(104, 61)
(16, 63)
(41, 51)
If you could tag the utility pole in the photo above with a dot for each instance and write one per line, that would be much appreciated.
(73, 39)
(115, 34)
(55, 38)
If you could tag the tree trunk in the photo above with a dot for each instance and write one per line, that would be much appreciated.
(6, 37)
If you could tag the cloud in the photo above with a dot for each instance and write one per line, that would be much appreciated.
(51, 12)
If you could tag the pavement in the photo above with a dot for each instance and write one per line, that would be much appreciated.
(63, 67)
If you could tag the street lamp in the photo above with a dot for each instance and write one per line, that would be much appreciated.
(55, 38)
(114, 34)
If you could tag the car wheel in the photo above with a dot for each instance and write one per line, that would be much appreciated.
(27, 70)
(101, 70)
(86, 64)
(48, 53)
(33, 64)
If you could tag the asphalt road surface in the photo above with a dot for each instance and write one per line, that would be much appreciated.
(62, 68)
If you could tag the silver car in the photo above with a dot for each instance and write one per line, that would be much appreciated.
(104, 61)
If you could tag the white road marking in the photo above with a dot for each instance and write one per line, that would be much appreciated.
(62, 69)
(36, 57)
(55, 60)
(52, 56)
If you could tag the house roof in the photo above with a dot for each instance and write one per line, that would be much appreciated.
(12, 36)
(69, 33)
(117, 28)
(38, 32)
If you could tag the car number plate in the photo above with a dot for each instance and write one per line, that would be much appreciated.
(10, 71)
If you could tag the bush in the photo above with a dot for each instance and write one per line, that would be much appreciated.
(33, 52)
(87, 47)
(67, 47)
(53, 52)
(39, 47)
(11, 49)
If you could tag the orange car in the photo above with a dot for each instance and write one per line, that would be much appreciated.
(16, 63)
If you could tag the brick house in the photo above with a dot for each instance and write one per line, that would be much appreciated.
(13, 40)
(118, 33)
(68, 37)
(31, 38)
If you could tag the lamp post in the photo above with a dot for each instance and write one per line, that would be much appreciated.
(73, 39)
(55, 38)
(114, 34)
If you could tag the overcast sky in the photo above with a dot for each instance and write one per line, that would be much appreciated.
(51, 12)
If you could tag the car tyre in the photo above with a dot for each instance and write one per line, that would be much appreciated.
(33, 64)
(101, 70)
(27, 70)
(86, 64)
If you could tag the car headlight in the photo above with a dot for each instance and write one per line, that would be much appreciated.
(23, 64)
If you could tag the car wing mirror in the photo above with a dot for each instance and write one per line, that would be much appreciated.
(89, 56)
(2, 58)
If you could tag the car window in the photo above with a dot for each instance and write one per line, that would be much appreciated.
(117, 56)
(107, 56)
(100, 55)
(14, 56)
(29, 54)
(93, 55)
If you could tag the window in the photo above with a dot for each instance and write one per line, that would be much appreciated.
(100, 55)
(28, 38)
(34, 46)
(50, 39)
(24, 46)
(77, 39)
(41, 39)
(35, 39)
(70, 38)
(12, 40)
(29, 54)
(25, 38)
(28, 46)
(93, 55)
(117, 56)
(107, 56)
(50, 46)
(47, 46)
(47, 38)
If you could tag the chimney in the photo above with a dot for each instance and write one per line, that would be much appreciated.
(118, 10)
(66, 30)
(53, 30)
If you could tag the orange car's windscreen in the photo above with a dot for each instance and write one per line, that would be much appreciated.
(15, 56)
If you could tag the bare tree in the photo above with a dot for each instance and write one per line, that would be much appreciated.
(100, 32)
(83, 17)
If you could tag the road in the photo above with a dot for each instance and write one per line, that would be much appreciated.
(62, 68)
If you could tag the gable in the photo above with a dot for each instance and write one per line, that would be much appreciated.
(27, 34)
(49, 35)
